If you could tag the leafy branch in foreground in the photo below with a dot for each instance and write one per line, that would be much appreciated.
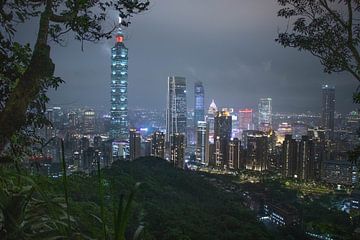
(25, 78)
(328, 29)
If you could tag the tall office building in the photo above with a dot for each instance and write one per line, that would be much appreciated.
(135, 144)
(328, 110)
(176, 113)
(202, 142)
(257, 150)
(246, 119)
(89, 121)
(210, 119)
(222, 136)
(223, 125)
(158, 144)
(265, 111)
(199, 112)
(119, 129)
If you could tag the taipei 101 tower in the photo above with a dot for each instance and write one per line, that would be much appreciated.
(119, 130)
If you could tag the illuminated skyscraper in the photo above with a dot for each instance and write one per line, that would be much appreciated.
(178, 150)
(246, 119)
(265, 110)
(119, 129)
(135, 144)
(298, 158)
(176, 107)
(210, 119)
(328, 110)
(234, 155)
(199, 113)
(202, 142)
(257, 150)
(222, 136)
(89, 121)
(158, 144)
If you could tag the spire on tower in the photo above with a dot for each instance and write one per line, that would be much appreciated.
(119, 36)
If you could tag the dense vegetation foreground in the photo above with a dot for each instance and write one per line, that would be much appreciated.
(170, 203)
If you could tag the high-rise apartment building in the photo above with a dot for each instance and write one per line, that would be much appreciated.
(234, 154)
(264, 117)
(178, 150)
(202, 142)
(158, 144)
(328, 110)
(176, 113)
(135, 144)
(199, 108)
(119, 129)
(298, 158)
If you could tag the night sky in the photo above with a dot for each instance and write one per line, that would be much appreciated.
(227, 44)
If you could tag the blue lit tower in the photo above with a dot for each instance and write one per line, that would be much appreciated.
(119, 130)
(199, 113)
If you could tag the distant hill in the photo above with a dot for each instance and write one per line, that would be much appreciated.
(179, 204)
(171, 203)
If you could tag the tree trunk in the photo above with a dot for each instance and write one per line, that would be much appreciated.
(41, 67)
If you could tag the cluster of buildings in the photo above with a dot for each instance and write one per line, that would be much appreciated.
(203, 137)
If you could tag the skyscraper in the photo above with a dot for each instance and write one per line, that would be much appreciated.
(298, 158)
(135, 144)
(119, 129)
(176, 107)
(246, 119)
(199, 112)
(210, 119)
(265, 111)
(202, 142)
(222, 136)
(257, 150)
(178, 150)
(158, 144)
(89, 121)
(234, 156)
(328, 110)
(223, 125)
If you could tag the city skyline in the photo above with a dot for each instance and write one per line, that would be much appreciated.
(249, 64)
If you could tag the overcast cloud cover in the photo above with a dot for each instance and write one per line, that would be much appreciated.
(227, 44)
